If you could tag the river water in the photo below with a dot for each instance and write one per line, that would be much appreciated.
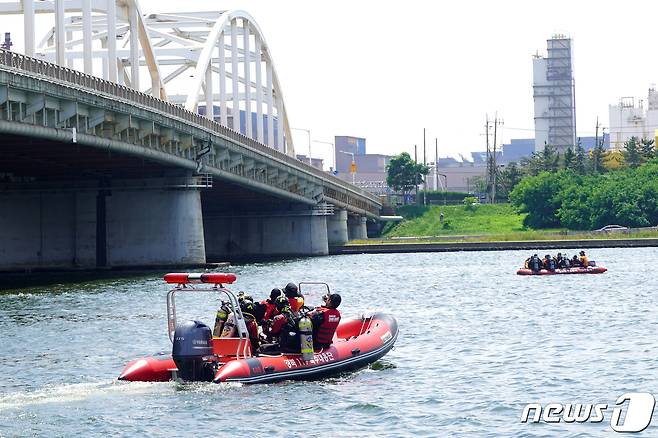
(477, 343)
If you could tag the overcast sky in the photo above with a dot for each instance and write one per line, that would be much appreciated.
(384, 70)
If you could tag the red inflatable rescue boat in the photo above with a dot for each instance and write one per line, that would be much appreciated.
(198, 356)
(578, 270)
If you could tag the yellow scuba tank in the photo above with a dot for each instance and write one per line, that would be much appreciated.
(220, 319)
(306, 337)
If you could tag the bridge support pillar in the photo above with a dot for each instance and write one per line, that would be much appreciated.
(337, 228)
(356, 228)
(248, 238)
(62, 229)
(155, 227)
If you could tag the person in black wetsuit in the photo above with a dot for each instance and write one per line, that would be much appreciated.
(534, 264)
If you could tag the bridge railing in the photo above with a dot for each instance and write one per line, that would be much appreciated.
(54, 71)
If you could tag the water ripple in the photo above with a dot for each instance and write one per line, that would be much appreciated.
(477, 343)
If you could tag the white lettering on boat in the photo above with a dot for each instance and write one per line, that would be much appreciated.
(318, 358)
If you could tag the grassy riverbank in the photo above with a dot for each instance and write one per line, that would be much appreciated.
(481, 223)
(457, 220)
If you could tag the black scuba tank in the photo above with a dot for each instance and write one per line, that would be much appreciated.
(193, 341)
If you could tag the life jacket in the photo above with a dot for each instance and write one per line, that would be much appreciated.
(270, 309)
(296, 303)
(584, 261)
(325, 322)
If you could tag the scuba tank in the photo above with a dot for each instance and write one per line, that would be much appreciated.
(220, 319)
(229, 327)
(306, 337)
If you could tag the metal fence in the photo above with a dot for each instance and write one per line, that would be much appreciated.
(59, 73)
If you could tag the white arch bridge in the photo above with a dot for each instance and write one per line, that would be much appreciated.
(154, 139)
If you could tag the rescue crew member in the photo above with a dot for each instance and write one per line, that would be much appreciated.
(575, 261)
(549, 263)
(584, 260)
(558, 260)
(270, 306)
(325, 320)
(284, 327)
(296, 299)
(535, 263)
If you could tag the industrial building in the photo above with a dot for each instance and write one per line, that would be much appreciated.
(554, 95)
(633, 119)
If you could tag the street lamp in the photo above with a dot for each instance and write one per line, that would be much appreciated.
(308, 131)
(333, 150)
(353, 169)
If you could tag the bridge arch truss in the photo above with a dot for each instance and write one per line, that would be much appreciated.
(220, 59)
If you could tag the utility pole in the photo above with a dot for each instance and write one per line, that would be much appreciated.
(424, 176)
(486, 134)
(596, 145)
(436, 163)
(493, 159)
(416, 173)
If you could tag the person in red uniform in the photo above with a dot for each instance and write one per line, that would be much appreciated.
(283, 328)
(270, 305)
(325, 321)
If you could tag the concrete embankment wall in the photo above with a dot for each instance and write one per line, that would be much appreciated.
(491, 246)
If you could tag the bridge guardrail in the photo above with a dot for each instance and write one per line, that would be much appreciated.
(34, 65)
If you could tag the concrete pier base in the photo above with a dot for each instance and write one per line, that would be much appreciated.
(100, 228)
(245, 237)
(158, 227)
(356, 228)
(337, 228)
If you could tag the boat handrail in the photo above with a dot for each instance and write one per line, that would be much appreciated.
(240, 324)
(366, 317)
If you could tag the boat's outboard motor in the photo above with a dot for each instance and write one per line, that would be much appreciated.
(193, 341)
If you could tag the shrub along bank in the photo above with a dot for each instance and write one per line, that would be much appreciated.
(584, 202)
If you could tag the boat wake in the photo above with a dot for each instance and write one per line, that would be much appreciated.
(70, 393)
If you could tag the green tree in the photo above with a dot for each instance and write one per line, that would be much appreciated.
(478, 184)
(647, 149)
(403, 173)
(632, 153)
(532, 165)
(550, 158)
(536, 196)
(579, 165)
(596, 158)
(569, 158)
(509, 177)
